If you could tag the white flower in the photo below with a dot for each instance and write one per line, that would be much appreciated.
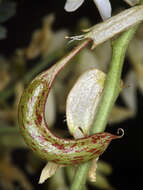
(103, 6)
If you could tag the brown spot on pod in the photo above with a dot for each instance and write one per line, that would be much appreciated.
(59, 146)
(39, 118)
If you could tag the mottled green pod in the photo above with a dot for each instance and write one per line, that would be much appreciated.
(31, 117)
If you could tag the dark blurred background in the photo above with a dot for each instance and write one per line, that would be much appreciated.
(126, 154)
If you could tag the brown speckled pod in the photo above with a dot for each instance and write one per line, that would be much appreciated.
(31, 116)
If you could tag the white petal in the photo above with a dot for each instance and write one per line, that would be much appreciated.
(104, 8)
(48, 171)
(80, 109)
(72, 5)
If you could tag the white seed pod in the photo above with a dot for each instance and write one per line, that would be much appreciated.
(114, 25)
(82, 102)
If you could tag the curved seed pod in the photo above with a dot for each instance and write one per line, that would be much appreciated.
(83, 100)
(31, 118)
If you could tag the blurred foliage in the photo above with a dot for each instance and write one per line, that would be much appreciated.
(45, 48)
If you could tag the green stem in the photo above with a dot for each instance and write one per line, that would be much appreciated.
(110, 94)
(112, 83)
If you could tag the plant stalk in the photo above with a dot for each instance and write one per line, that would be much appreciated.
(110, 94)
